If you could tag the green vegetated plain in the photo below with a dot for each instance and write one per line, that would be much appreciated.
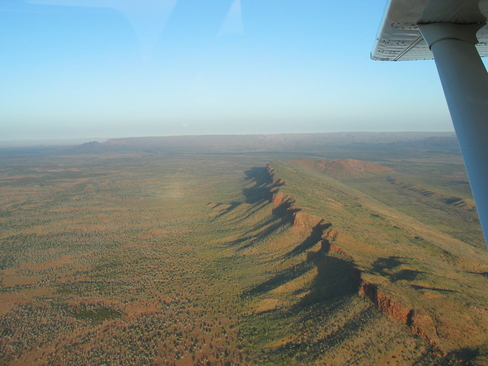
(172, 251)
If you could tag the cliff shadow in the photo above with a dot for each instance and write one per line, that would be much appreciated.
(281, 215)
(466, 354)
(314, 237)
(333, 289)
(307, 351)
(417, 287)
(261, 189)
(383, 266)
(231, 206)
(387, 263)
(265, 230)
(334, 278)
(279, 279)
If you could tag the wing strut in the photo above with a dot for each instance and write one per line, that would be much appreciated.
(455, 34)
(465, 83)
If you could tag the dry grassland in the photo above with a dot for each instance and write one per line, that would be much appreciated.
(148, 258)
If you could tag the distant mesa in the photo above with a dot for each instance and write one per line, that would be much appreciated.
(116, 142)
(441, 141)
(89, 145)
(344, 168)
(300, 142)
(97, 145)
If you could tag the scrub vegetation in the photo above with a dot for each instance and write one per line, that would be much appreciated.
(195, 251)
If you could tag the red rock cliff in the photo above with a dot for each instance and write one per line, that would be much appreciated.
(304, 221)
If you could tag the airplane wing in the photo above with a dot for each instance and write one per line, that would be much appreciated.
(399, 38)
(455, 34)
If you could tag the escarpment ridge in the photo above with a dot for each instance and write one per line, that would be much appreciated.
(304, 221)
(344, 168)
(405, 268)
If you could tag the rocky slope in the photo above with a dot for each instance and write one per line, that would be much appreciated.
(451, 325)
(344, 168)
(324, 242)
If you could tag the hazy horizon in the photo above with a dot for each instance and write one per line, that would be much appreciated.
(81, 140)
(72, 68)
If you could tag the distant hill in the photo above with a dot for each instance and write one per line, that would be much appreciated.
(286, 142)
(97, 145)
(344, 168)
(444, 141)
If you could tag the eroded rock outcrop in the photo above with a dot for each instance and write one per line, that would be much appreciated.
(302, 220)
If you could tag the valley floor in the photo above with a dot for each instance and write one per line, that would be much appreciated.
(143, 258)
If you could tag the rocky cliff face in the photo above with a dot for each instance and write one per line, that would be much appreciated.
(418, 322)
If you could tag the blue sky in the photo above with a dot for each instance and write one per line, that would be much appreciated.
(121, 68)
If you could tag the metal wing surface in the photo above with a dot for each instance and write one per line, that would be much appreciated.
(399, 38)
